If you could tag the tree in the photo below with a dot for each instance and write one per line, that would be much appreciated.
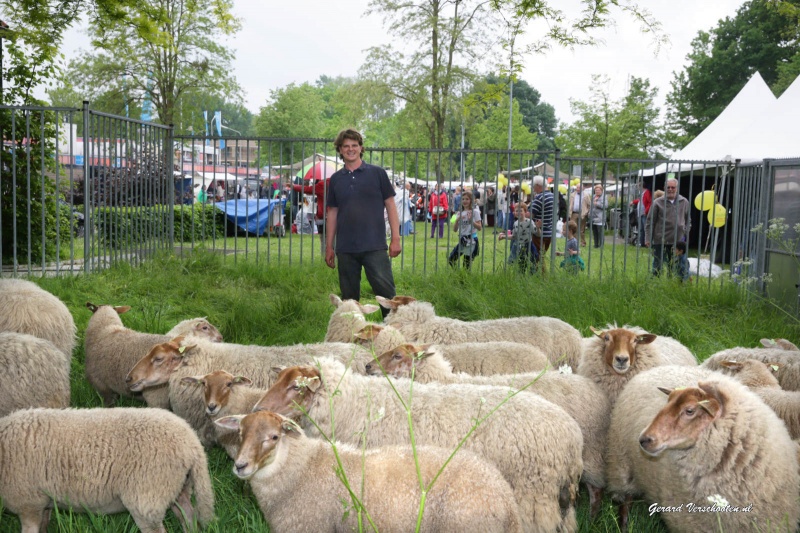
(491, 133)
(162, 50)
(538, 116)
(723, 60)
(640, 117)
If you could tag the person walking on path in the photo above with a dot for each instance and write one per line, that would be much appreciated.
(542, 216)
(668, 224)
(439, 208)
(598, 216)
(357, 197)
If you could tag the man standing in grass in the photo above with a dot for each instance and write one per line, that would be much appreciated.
(358, 194)
(667, 224)
(542, 216)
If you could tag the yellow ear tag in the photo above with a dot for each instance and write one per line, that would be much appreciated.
(182, 349)
(774, 368)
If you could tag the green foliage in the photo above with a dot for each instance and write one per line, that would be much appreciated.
(723, 59)
(198, 222)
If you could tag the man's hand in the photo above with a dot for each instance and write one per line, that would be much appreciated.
(330, 257)
(395, 248)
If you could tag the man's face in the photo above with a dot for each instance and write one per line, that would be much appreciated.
(350, 151)
(672, 190)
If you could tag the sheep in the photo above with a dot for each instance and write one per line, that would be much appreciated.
(759, 378)
(711, 437)
(788, 372)
(167, 363)
(347, 318)
(27, 308)
(781, 344)
(476, 358)
(112, 349)
(103, 461)
(617, 355)
(580, 397)
(418, 322)
(296, 481)
(31, 373)
(534, 443)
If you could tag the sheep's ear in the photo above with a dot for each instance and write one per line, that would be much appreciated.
(193, 380)
(769, 343)
(786, 345)
(645, 338)
(386, 302)
(665, 390)
(597, 332)
(275, 370)
(774, 366)
(736, 366)
(120, 309)
(368, 309)
(424, 351)
(229, 422)
(715, 399)
(335, 300)
(313, 383)
(368, 332)
(91, 307)
(241, 380)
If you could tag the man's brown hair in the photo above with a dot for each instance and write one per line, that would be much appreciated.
(351, 134)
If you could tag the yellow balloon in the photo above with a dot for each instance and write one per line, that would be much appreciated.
(705, 200)
(502, 180)
(562, 189)
(575, 182)
(453, 219)
(717, 215)
(526, 188)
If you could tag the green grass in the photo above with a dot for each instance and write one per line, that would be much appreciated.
(265, 303)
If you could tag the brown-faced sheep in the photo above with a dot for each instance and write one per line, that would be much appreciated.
(347, 319)
(418, 323)
(296, 480)
(711, 437)
(617, 355)
(32, 373)
(112, 350)
(27, 308)
(166, 364)
(476, 358)
(580, 397)
(103, 461)
(540, 456)
(789, 360)
(759, 378)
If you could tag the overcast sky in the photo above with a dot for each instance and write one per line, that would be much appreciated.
(297, 41)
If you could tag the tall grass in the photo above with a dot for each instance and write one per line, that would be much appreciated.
(272, 304)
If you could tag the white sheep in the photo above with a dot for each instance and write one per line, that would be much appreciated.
(580, 397)
(615, 356)
(296, 480)
(347, 319)
(103, 461)
(32, 373)
(476, 358)
(711, 438)
(27, 308)
(759, 378)
(112, 350)
(166, 364)
(418, 322)
(534, 443)
(789, 360)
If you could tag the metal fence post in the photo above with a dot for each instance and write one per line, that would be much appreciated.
(87, 198)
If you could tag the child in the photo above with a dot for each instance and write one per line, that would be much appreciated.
(467, 224)
(681, 265)
(572, 260)
(521, 237)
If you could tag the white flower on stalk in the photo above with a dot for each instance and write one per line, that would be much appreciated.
(565, 369)
(718, 500)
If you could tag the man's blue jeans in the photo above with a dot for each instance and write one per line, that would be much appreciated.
(662, 256)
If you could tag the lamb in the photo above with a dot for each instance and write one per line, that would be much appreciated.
(32, 373)
(112, 349)
(476, 358)
(418, 322)
(167, 363)
(103, 461)
(539, 455)
(712, 437)
(27, 308)
(759, 378)
(580, 397)
(347, 318)
(296, 482)
(788, 360)
(617, 355)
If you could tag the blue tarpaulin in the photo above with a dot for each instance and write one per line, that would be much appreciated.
(253, 216)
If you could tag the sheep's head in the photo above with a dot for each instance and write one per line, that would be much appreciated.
(619, 347)
(217, 388)
(353, 305)
(155, 367)
(260, 435)
(119, 309)
(688, 413)
(366, 335)
(206, 330)
(753, 373)
(779, 344)
(400, 362)
(395, 302)
(292, 392)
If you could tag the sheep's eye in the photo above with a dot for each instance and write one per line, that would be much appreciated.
(398, 356)
(204, 328)
(689, 411)
(274, 437)
(158, 360)
(230, 384)
(606, 338)
(296, 388)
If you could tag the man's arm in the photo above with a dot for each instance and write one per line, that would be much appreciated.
(330, 256)
(394, 225)
(648, 227)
